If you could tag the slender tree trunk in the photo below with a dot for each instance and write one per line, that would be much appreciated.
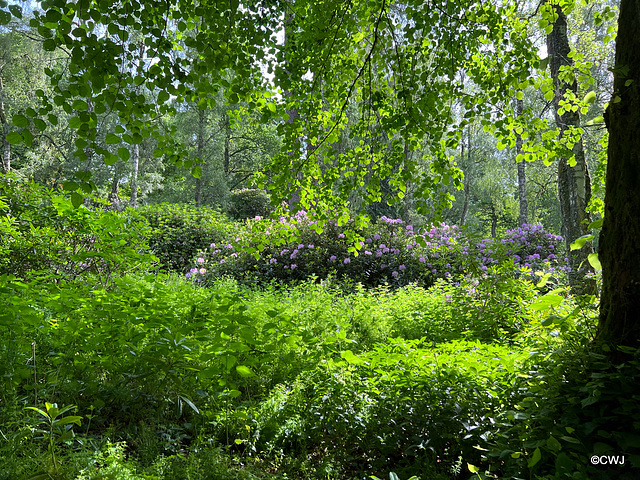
(494, 222)
(6, 146)
(522, 181)
(199, 154)
(135, 150)
(465, 205)
(292, 114)
(135, 162)
(619, 247)
(574, 183)
(227, 145)
(406, 203)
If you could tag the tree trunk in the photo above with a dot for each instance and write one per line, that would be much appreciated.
(135, 161)
(227, 144)
(292, 114)
(6, 146)
(465, 205)
(574, 183)
(619, 247)
(200, 154)
(494, 222)
(522, 182)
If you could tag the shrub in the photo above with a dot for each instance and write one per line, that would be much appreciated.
(404, 406)
(41, 231)
(249, 203)
(388, 252)
(179, 231)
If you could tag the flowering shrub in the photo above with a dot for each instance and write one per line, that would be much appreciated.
(179, 231)
(386, 252)
(529, 246)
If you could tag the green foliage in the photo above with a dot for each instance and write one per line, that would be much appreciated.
(406, 403)
(179, 231)
(57, 429)
(249, 203)
(42, 231)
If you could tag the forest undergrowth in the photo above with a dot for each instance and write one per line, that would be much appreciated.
(463, 364)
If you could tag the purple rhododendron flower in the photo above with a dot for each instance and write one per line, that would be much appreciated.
(341, 235)
(394, 274)
(402, 267)
(333, 258)
(347, 260)
(202, 271)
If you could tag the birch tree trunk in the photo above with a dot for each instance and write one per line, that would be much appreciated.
(574, 183)
(135, 162)
(522, 180)
(200, 154)
(6, 146)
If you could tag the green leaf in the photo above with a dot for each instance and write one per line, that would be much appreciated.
(76, 199)
(549, 95)
(40, 124)
(579, 243)
(473, 468)
(67, 420)
(537, 455)
(546, 301)
(196, 171)
(14, 138)
(69, 186)
(244, 371)
(112, 139)
(124, 154)
(20, 120)
(350, 357)
(594, 261)
(553, 444)
(49, 45)
(163, 96)
(5, 17)
(590, 98)
(190, 403)
(27, 137)
(16, 10)
(596, 223)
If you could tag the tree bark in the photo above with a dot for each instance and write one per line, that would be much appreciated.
(574, 183)
(619, 247)
(200, 154)
(6, 146)
(135, 162)
(522, 179)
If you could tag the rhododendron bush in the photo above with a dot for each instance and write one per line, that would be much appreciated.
(386, 252)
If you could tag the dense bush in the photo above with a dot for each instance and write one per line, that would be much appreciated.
(404, 405)
(387, 252)
(179, 231)
(249, 203)
(41, 231)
